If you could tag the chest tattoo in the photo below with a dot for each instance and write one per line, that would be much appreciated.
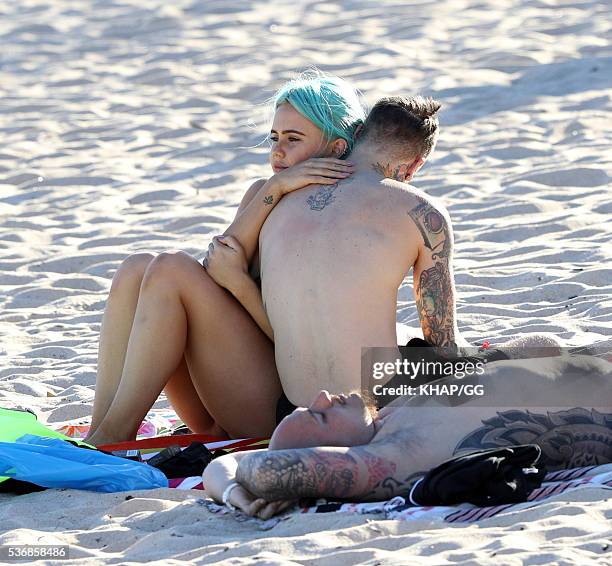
(569, 439)
(323, 197)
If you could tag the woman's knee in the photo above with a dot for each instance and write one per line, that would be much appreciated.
(173, 267)
(132, 270)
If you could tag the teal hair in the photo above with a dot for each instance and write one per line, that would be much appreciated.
(329, 102)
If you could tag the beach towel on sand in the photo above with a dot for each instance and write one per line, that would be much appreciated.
(398, 508)
(14, 423)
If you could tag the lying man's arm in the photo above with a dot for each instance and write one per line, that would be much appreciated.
(433, 277)
(374, 472)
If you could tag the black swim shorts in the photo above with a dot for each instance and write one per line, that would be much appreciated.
(284, 407)
(488, 355)
(419, 349)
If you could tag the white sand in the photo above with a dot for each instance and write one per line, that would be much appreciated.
(122, 130)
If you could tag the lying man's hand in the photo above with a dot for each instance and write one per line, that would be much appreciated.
(264, 510)
(245, 501)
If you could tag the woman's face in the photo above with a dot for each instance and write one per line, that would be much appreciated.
(295, 139)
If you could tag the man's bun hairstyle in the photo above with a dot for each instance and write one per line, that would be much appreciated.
(407, 125)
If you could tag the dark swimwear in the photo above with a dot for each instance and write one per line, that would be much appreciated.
(482, 355)
(284, 407)
(419, 349)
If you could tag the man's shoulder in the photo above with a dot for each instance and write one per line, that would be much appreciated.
(411, 198)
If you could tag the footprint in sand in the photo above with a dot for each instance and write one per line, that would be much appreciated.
(151, 196)
(574, 177)
(74, 264)
(70, 411)
(54, 352)
(80, 283)
(32, 298)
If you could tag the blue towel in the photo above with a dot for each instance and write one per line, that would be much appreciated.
(51, 462)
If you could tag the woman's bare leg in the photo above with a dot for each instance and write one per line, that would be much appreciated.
(115, 332)
(186, 402)
(114, 335)
(231, 361)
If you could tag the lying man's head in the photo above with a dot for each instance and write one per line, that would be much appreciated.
(331, 420)
(403, 130)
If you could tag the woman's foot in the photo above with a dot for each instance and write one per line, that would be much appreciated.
(100, 438)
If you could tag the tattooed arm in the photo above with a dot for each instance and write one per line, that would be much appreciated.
(374, 472)
(433, 276)
(255, 207)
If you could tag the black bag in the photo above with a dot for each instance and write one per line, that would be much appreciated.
(175, 463)
(483, 478)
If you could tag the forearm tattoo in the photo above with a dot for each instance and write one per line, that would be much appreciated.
(290, 474)
(568, 439)
(269, 199)
(434, 289)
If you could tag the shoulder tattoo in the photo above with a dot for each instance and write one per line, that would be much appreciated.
(433, 229)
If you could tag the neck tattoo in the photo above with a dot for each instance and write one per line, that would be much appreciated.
(399, 173)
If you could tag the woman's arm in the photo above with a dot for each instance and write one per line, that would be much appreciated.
(226, 263)
(249, 296)
(255, 207)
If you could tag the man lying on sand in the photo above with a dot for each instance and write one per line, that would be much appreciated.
(341, 448)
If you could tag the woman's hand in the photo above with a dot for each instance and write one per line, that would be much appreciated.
(225, 262)
(317, 170)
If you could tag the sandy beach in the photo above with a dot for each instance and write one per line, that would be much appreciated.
(127, 128)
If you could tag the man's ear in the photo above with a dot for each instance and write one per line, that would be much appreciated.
(358, 130)
(414, 167)
(339, 147)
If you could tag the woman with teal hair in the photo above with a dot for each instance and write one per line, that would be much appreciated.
(329, 102)
(199, 331)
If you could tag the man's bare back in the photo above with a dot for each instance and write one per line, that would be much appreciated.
(332, 260)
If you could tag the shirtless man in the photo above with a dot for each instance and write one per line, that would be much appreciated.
(333, 257)
(340, 448)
